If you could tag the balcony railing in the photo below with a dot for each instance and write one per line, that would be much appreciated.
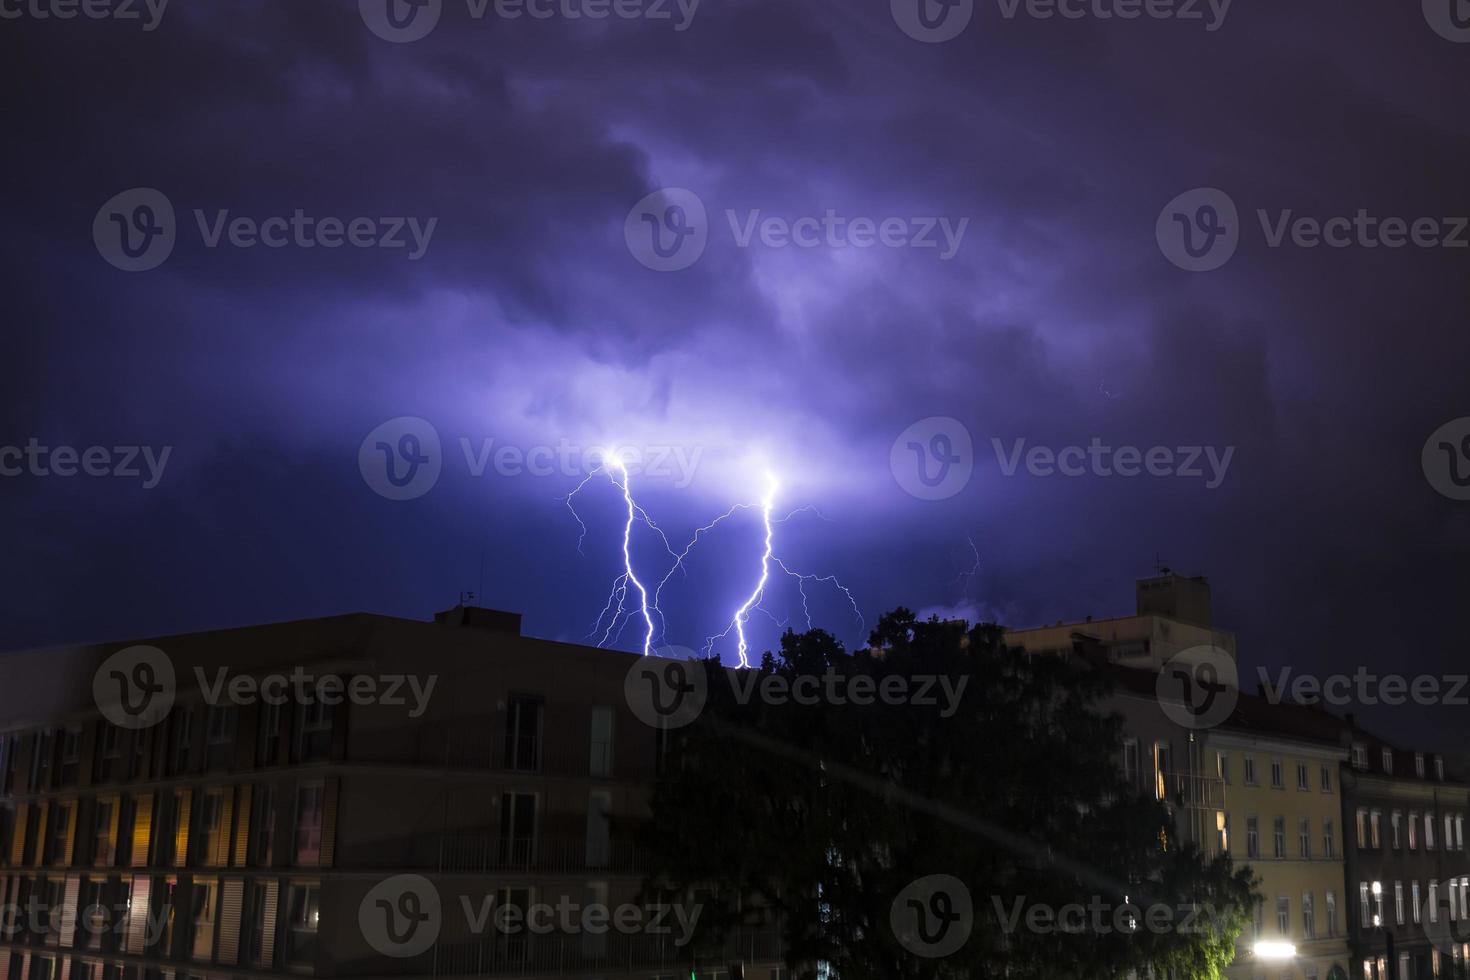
(485, 852)
(560, 954)
(1191, 791)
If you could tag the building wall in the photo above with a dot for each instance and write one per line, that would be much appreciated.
(1291, 876)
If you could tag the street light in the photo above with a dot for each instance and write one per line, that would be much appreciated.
(1272, 950)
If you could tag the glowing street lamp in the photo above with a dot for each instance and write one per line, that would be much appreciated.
(1272, 950)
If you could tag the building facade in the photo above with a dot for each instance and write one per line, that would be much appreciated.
(344, 797)
(1408, 870)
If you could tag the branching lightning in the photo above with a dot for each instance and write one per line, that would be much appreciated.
(620, 608)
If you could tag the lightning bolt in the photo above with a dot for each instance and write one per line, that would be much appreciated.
(621, 608)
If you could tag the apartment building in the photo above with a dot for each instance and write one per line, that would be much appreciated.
(1280, 765)
(1408, 871)
(1172, 613)
(268, 801)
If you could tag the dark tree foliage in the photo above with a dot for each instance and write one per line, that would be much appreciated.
(824, 813)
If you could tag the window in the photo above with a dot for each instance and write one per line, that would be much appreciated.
(1439, 768)
(599, 828)
(263, 827)
(305, 914)
(1419, 764)
(1331, 905)
(1377, 890)
(1278, 836)
(1130, 761)
(1414, 905)
(1362, 828)
(517, 827)
(103, 835)
(270, 733)
(1222, 824)
(1398, 902)
(1278, 775)
(1460, 831)
(602, 733)
(1302, 780)
(1364, 915)
(1360, 756)
(1309, 916)
(1283, 915)
(1162, 770)
(1222, 767)
(1413, 830)
(1394, 820)
(1429, 831)
(309, 825)
(1452, 888)
(1329, 846)
(1433, 900)
(62, 815)
(203, 894)
(212, 825)
(1388, 762)
(1304, 837)
(1252, 837)
(221, 724)
(1326, 779)
(523, 733)
(1249, 768)
(1374, 820)
(1449, 832)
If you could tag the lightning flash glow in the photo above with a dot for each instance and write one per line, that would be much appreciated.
(621, 608)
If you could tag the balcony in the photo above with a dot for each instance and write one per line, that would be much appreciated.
(560, 954)
(490, 853)
(1190, 791)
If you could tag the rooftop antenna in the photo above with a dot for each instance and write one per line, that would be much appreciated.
(466, 598)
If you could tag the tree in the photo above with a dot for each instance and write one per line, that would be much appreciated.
(825, 813)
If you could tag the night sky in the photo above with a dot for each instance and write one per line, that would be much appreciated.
(1054, 144)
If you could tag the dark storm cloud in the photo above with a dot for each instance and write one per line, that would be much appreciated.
(527, 319)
